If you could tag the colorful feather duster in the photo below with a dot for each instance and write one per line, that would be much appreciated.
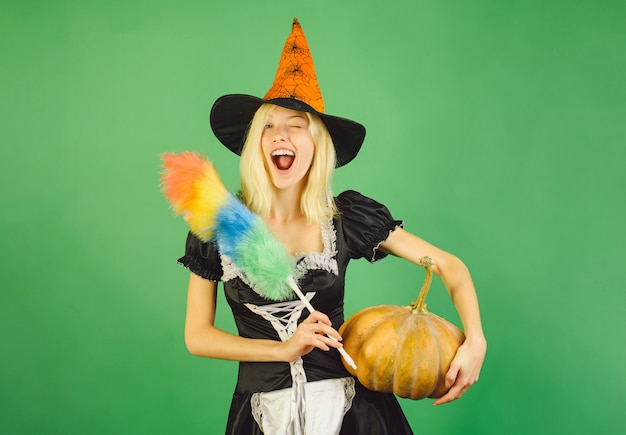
(194, 188)
(192, 185)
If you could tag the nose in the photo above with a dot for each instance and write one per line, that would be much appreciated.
(280, 134)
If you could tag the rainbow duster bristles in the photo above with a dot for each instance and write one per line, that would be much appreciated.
(244, 237)
(193, 187)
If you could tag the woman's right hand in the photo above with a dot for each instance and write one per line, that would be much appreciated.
(314, 331)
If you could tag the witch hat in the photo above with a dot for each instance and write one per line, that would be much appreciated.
(295, 87)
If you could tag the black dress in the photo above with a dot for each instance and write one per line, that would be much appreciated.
(315, 394)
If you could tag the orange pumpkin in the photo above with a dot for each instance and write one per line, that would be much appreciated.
(404, 350)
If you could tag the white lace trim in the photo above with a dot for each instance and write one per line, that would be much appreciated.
(304, 261)
(376, 248)
(350, 392)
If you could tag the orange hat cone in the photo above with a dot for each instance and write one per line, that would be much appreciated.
(295, 87)
(295, 77)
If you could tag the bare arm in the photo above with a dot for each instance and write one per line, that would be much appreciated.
(204, 339)
(465, 367)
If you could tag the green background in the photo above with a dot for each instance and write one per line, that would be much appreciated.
(496, 130)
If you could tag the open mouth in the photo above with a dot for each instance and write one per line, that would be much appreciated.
(283, 159)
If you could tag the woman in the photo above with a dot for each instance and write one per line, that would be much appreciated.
(291, 379)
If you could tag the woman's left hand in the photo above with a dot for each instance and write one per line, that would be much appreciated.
(464, 369)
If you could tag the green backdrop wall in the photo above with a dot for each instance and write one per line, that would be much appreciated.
(496, 130)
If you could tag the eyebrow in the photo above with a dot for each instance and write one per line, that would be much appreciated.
(271, 116)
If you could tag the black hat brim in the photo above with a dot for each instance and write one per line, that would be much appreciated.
(231, 116)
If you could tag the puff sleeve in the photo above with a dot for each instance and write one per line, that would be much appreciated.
(202, 258)
(365, 223)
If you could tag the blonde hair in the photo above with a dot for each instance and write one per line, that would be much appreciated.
(317, 202)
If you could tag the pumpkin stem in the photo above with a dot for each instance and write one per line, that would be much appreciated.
(420, 304)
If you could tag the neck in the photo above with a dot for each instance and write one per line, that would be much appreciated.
(286, 205)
